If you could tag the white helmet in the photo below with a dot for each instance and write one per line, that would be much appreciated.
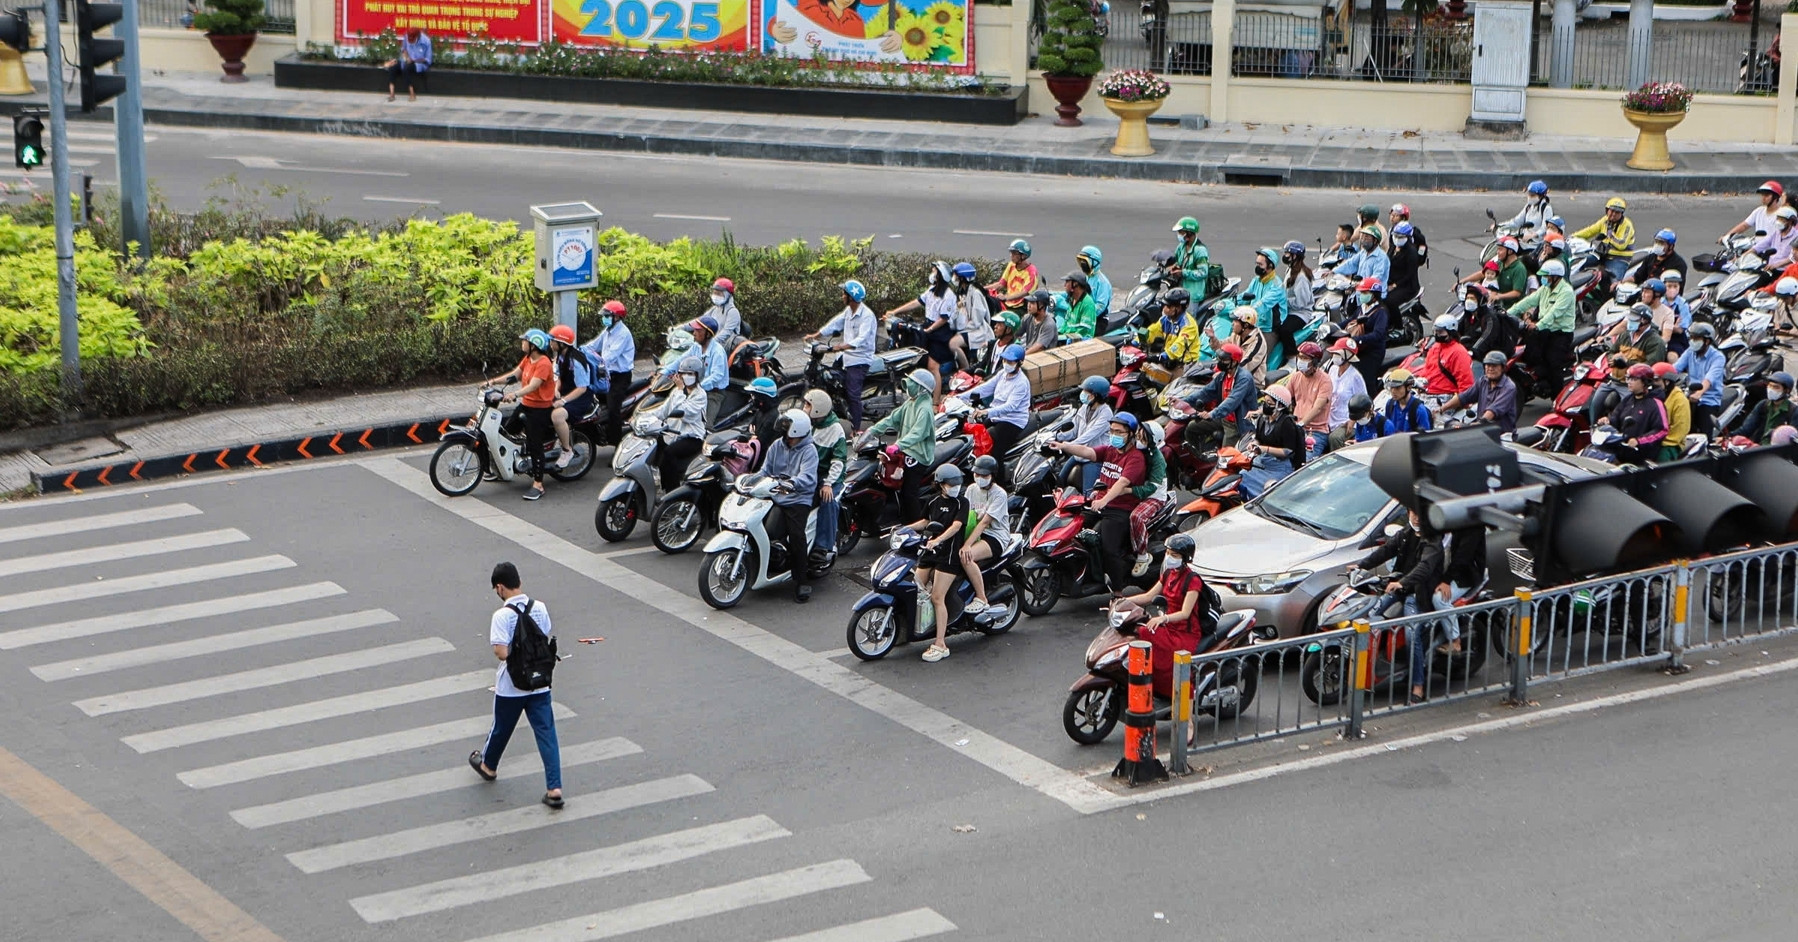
(817, 404)
(1787, 287)
(1448, 322)
(922, 378)
(798, 425)
(1554, 269)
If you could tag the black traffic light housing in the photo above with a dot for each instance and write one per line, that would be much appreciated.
(94, 53)
(15, 29)
(27, 140)
(1461, 461)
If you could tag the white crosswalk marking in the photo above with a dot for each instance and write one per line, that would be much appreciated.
(511, 821)
(347, 705)
(698, 904)
(231, 641)
(899, 927)
(357, 797)
(32, 531)
(103, 624)
(339, 663)
(642, 854)
(62, 595)
(113, 552)
(318, 757)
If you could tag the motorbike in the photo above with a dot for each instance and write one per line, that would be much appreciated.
(1133, 388)
(1036, 474)
(492, 445)
(881, 392)
(1221, 688)
(1322, 671)
(1155, 281)
(898, 611)
(635, 470)
(1063, 554)
(1222, 488)
(1528, 239)
(1603, 445)
(682, 515)
(1759, 73)
(1567, 425)
(1753, 351)
(870, 501)
(743, 556)
(1187, 467)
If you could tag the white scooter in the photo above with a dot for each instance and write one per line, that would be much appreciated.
(484, 448)
(631, 492)
(743, 556)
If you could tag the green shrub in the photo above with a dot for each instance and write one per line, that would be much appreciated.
(1071, 41)
(230, 17)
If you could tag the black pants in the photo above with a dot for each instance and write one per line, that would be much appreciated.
(854, 378)
(675, 458)
(406, 73)
(911, 487)
(1704, 421)
(619, 387)
(1551, 353)
(538, 432)
(1372, 364)
(1005, 437)
(787, 523)
(1114, 542)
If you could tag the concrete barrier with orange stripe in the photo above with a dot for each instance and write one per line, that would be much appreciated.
(250, 455)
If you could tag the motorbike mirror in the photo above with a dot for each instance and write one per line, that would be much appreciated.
(1490, 216)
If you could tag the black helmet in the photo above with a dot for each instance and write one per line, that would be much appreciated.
(1360, 405)
(987, 465)
(1176, 298)
(1181, 545)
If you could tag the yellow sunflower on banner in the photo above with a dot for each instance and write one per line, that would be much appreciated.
(949, 20)
(876, 25)
(917, 37)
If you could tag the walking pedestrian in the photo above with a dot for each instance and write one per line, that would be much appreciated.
(518, 612)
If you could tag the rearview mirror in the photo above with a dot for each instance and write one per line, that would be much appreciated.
(1392, 530)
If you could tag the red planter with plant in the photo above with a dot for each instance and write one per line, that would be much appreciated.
(230, 26)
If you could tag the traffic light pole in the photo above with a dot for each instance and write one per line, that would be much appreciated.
(65, 222)
(128, 120)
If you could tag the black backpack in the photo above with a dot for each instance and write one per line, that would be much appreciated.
(531, 658)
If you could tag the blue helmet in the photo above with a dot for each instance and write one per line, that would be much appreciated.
(1557, 222)
(763, 386)
(964, 270)
(1403, 229)
(1097, 385)
(1784, 379)
(1092, 254)
(710, 323)
(1019, 245)
(1538, 188)
(854, 290)
(1294, 248)
(1125, 419)
(1668, 236)
(535, 338)
(1656, 285)
(1013, 353)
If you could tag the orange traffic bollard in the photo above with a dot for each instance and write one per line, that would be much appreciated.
(1139, 764)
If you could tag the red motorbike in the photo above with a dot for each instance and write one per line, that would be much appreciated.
(1136, 382)
(1567, 427)
(1063, 554)
(1187, 467)
(1222, 489)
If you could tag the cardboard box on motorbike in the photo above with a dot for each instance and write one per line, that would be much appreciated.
(1065, 366)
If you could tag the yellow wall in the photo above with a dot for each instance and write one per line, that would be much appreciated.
(1744, 119)
(995, 53)
(184, 50)
(1370, 105)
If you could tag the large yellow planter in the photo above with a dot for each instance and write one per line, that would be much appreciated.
(1133, 126)
(1651, 138)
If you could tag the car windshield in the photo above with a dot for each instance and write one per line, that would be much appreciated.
(1334, 495)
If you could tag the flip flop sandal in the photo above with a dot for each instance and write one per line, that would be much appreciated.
(554, 801)
(474, 762)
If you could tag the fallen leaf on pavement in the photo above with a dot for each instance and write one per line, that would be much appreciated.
(964, 829)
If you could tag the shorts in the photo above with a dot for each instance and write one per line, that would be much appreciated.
(582, 407)
(945, 558)
(992, 543)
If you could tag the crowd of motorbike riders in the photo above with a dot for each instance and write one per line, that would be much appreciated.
(1643, 356)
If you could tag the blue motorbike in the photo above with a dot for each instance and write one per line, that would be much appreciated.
(894, 613)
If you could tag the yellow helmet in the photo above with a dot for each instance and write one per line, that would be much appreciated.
(1616, 203)
(1398, 377)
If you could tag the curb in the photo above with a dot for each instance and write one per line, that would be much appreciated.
(247, 455)
(1162, 170)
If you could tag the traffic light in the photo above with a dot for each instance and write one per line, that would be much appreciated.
(27, 141)
(15, 30)
(1458, 462)
(93, 53)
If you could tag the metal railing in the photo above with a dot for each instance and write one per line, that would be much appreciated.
(1298, 685)
(1299, 46)
(1741, 596)
(178, 14)
(1703, 56)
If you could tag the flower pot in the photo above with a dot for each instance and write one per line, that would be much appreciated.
(1651, 138)
(232, 49)
(1133, 125)
(1068, 90)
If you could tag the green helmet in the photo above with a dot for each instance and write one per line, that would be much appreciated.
(1008, 319)
(1186, 224)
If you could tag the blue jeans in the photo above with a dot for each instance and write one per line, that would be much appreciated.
(1616, 267)
(1263, 474)
(1089, 475)
(536, 708)
(826, 536)
(1316, 443)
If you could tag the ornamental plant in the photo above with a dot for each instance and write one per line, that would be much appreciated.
(1659, 98)
(230, 17)
(1071, 41)
(1134, 85)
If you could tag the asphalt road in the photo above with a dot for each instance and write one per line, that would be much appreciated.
(728, 748)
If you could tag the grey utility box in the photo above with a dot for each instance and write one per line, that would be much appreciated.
(567, 246)
(1501, 62)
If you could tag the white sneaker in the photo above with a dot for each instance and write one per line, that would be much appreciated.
(565, 460)
(935, 653)
(1142, 564)
(975, 607)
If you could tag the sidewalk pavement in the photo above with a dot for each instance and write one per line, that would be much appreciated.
(1230, 153)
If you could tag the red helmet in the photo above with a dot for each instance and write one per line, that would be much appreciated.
(1663, 368)
(563, 332)
(725, 284)
(1370, 283)
(1402, 210)
(1641, 371)
(614, 308)
(1345, 345)
(1311, 350)
(1773, 187)
(1230, 351)
(1131, 355)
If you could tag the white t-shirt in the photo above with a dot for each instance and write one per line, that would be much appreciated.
(941, 307)
(505, 622)
(994, 502)
(1761, 220)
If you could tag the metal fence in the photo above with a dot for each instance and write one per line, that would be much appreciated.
(178, 14)
(1716, 56)
(1319, 47)
(1289, 686)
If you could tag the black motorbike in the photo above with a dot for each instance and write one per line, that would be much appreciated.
(870, 501)
(894, 612)
(682, 515)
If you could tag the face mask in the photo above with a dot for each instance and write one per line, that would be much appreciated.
(719, 298)
(982, 482)
(1663, 249)
(1170, 563)
(1364, 420)
(1442, 338)
(1011, 367)
(605, 321)
(1262, 270)
(1400, 241)
(688, 379)
(1635, 323)
(1364, 296)
(1117, 441)
(1303, 365)
(952, 490)
(1775, 394)
(1699, 345)
(1088, 398)
(1470, 305)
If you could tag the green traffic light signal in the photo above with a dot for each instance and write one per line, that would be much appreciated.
(30, 156)
(27, 141)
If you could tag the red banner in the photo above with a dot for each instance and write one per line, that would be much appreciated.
(519, 21)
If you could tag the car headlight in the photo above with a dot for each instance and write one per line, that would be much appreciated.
(1270, 583)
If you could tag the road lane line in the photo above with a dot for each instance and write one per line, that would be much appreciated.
(348, 705)
(145, 869)
(712, 901)
(899, 927)
(693, 218)
(104, 624)
(178, 650)
(997, 235)
(337, 753)
(54, 528)
(658, 851)
(498, 824)
(200, 688)
(153, 580)
(357, 797)
(1002, 757)
(113, 552)
(403, 199)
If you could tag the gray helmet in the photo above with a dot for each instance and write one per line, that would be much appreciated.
(1495, 358)
(987, 465)
(1182, 545)
(922, 377)
(1078, 278)
(1704, 331)
(947, 474)
(1178, 297)
(692, 365)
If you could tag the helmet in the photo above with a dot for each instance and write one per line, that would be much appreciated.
(1346, 345)
(798, 424)
(1448, 322)
(1041, 296)
(1495, 358)
(1398, 377)
(1020, 246)
(1538, 188)
(696, 366)
(1773, 187)
(1668, 236)
(1509, 243)
(1058, 304)
(1013, 353)
(1369, 230)
(1092, 254)
(1626, 292)
(817, 403)
(1370, 283)
(1555, 239)
(987, 465)
(942, 272)
(1294, 248)
(535, 338)
(562, 332)
(1673, 275)
(854, 290)
(1097, 385)
(1656, 285)
(1186, 224)
(1703, 331)
(1125, 419)
(1231, 352)
(922, 378)
(1359, 404)
(964, 270)
(1078, 278)
(1559, 222)
(1662, 369)
(1403, 229)
(1786, 287)
(760, 386)
(1311, 349)
(1491, 264)
(725, 285)
(1641, 371)
(1783, 378)
(1178, 297)
(1008, 319)
(1554, 269)
(1245, 313)
(614, 308)
(1640, 311)
(709, 324)
(947, 474)
(1181, 545)
(1272, 256)
(1400, 209)
(1786, 212)
(1368, 211)
(1616, 203)
(1279, 394)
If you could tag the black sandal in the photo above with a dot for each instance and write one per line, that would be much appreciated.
(474, 762)
(554, 801)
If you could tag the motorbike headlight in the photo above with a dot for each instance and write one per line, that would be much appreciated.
(1111, 659)
(896, 540)
(1271, 583)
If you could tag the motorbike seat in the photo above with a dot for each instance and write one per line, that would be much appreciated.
(1226, 623)
(1274, 376)
(895, 360)
(1730, 395)
(1584, 335)
(1221, 485)
(1528, 436)
(1398, 355)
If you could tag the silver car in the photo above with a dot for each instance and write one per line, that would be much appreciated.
(1281, 553)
